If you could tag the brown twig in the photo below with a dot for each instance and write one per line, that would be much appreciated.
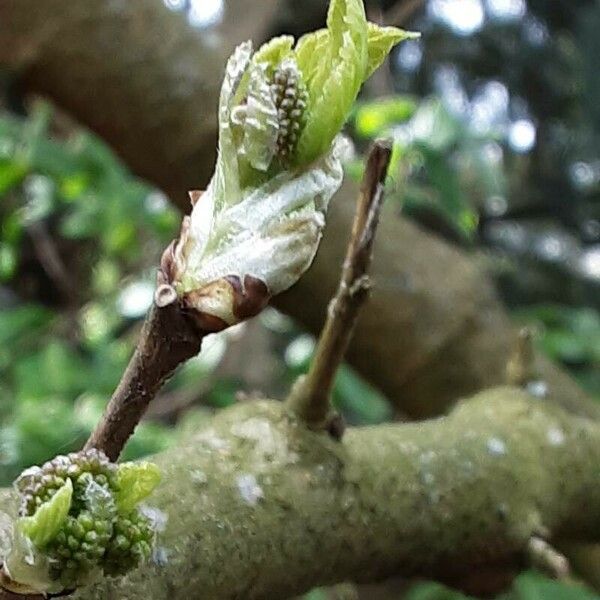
(402, 12)
(168, 338)
(50, 260)
(520, 368)
(310, 396)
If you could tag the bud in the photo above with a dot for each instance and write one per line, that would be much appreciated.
(38, 484)
(78, 519)
(257, 227)
(131, 544)
(79, 548)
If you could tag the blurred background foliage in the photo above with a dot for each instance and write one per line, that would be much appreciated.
(495, 115)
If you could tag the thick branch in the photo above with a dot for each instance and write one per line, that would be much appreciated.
(167, 339)
(261, 507)
(310, 397)
(145, 81)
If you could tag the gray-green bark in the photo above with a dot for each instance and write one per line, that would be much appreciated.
(258, 506)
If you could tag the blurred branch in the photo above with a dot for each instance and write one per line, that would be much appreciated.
(48, 256)
(170, 406)
(402, 12)
(311, 395)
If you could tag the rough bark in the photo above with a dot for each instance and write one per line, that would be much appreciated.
(259, 506)
(145, 81)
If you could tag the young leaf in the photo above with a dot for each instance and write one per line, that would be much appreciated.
(42, 527)
(274, 51)
(310, 51)
(226, 180)
(381, 41)
(135, 481)
(336, 79)
(276, 170)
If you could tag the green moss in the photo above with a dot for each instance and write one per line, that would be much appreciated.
(260, 507)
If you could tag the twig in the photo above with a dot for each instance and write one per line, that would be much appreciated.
(50, 260)
(520, 368)
(168, 338)
(310, 396)
(547, 559)
(402, 12)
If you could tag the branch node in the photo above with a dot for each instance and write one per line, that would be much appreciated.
(164, 295)
(361, 286)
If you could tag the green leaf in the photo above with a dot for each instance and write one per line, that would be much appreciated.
(11, 173)
(135, 481)
(309, 52)
(372, 119)
(42, 527)
(433, 591)
(361, 402)
(8, 261)
(274, 51)
(334, 63)
(333, 75)
(380, 41)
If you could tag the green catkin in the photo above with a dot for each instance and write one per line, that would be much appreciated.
(38, 484)
(94, 535)
(291, 97)
(79, 547)
(131, 543)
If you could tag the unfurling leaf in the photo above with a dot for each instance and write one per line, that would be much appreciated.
(381, 41)
(46, 522)
(274, 51)
(257, 227)
(135, 482)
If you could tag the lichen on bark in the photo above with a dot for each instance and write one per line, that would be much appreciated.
(261, 507)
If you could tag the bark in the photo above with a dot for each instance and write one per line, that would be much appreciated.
(259, 506)
(145, 81)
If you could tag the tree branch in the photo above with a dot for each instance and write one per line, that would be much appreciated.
(261, 507)
(168, 338)
(310, 397)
